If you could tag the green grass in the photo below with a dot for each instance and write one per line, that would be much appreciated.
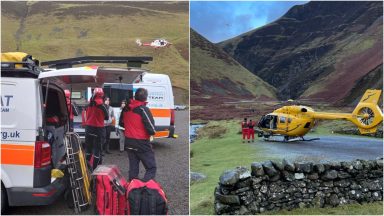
(213, 156)
(47, 36)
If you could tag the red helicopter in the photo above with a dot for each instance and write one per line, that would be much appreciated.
(158, 43)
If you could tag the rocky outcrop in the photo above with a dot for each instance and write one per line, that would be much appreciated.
(275, 185)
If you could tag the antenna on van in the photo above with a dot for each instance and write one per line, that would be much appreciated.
(131, 61)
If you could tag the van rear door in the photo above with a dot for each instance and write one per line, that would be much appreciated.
(92, 76)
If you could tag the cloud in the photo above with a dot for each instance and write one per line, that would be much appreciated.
(218, 21)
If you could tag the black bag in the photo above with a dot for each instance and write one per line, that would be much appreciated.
(146, 198)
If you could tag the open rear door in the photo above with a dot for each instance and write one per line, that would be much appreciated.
(92, 76)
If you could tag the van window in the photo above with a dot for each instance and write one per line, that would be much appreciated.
(56, 106)
(116, 95)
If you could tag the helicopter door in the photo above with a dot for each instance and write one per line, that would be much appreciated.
(273, 122)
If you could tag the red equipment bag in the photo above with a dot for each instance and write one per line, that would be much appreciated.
(110, 189)
(146, 198)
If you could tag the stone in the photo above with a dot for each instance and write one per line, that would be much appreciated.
(291, 189)
(229, 177)
(343, 175)
(195, 177)
(243, 210)
(319, 200)
(313, 176)
(253, 208)
(262, 209)
(355, 186)
(256, 180)
(238, 191)
(379, 163)
(221, 208)
(377, 196)
(299, 176)
(333, 200)
(289, 166)
(375, 185)
(355, 194)
(228, 199)
(264, 189)
(319, 168)
(327, 184)
(346, 165)
(243, 172)
(357, 165)
(278, 165)
(257, 169)
(288, 176)
(275, 178)
(335, 165)
(342, 183)
(304, 167)
(329, 175)
(269, 169)
(243, 183)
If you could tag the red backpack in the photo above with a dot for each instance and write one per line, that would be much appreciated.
(146, 198)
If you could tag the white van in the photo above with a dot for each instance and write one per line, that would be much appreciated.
(34, 120)
(160, 101)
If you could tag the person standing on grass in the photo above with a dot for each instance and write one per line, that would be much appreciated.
(244, 129)
(120, 129)
(139, 126)
(251, 130)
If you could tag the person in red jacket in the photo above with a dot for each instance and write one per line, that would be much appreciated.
(244, 129)
(139, 126)
(96, 113)
(71, 108)
(251, 130)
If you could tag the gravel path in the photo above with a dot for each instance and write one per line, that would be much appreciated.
(172, 156)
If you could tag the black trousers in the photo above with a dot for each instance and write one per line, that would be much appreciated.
(140, 150)
(93, 141)
(107, 137)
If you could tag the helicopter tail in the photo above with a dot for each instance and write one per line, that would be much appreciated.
(367, 115)
(138, 42)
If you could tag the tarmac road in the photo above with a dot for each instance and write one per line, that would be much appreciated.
(172, 157)
(332, 147)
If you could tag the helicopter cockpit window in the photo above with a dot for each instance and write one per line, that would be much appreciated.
(282, 119)
(289, 120)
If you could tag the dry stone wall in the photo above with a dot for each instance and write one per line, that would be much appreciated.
(272, 185)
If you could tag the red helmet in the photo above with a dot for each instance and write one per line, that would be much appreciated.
(67, 93)
(98, 92)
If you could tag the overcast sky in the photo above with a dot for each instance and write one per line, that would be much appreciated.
(218, 21)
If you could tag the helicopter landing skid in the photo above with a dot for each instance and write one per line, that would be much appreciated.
(290, 140)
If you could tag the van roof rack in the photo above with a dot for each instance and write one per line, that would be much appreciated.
(131, 61)
(20, 69)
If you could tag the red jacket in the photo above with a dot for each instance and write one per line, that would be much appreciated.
(138, 121)
(96, 114)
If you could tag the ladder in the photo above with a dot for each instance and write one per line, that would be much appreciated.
(78, 172)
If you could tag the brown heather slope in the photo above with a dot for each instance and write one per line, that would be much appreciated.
(324, 51)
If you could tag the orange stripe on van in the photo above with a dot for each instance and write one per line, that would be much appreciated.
(162, 134)
(161, 112)
(17, 154)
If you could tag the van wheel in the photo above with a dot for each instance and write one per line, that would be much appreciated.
(4, 200)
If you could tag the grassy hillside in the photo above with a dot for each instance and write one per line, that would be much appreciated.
(215, 73)
(54, 30)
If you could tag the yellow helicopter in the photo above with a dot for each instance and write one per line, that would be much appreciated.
(293, 122)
